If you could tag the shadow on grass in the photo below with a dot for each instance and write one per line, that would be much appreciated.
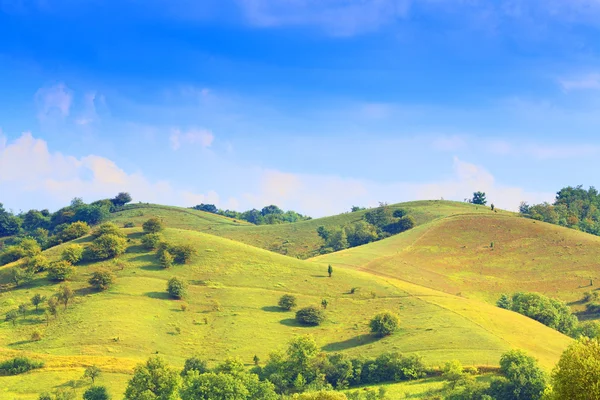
(273, 309)
(135, 235)
(293, 323)
(319, 276)
(84, 291)
(158, 295)
(356, 341)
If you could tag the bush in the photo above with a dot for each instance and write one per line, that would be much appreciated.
(128, 225)
(182, 254)
(165, 259)
(11, 254)
(310, 315)
(19, 365)
(31, 247)
(72, 253)
(74, 231)
(287, 302)
(153, 225)
(96, 393)
(384, 324)
(108, 228)
(151, 241)
(102, 279)
(194, 364)
(176, 288)
(106, 246)
(60, 271)
(37, 264)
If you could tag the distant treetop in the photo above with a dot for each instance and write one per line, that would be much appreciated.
(269, 215)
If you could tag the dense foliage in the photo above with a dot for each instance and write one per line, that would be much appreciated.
(378, 223)
(553, 313)
(577, 374)
(384, 324)
(269, 215)
(311, 315)
(573, 207)
(19, 365)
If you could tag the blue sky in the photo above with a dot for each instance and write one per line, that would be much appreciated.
(314, 105)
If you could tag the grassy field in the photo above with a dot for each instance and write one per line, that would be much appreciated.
(299, 240)
(455, 255)
(231, 311)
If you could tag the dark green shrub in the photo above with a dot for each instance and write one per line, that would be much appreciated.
(287, 302)
(194, 364)
(151, 241)
(11, 254)
(106, 246)
(384, 324)
(102, 279)
(310, 315)
(176, 288)
(73, 231)
(108, 228)
(60, 271)
(19, 365)
(96, 393)
(128, 225)
(72, 253)
(153, 225)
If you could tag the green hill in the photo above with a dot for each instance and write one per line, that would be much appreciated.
(455, 255)
(300, 239)
(231, 311)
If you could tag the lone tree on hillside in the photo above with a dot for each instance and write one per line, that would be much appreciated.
(92, 372)
(37, 299)
(330, 270)
(153, 225)
(102, 279)
(384, 324)
(287, 302)
(176, 287)
(121, 199)
(310, 315)
(479, 198)
(65, 294)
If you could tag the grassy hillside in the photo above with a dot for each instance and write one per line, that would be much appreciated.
(233, 292)
(299, 240)
(454, 255)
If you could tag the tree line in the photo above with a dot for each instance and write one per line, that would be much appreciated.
(378, 223)
(268, 215)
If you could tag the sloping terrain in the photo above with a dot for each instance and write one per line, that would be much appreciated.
(300, 239)
(231, 311)
(482, 256)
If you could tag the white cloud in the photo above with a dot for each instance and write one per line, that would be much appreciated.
(320, 195)
(53, 101)
(89, 114)
(29, 171)
(339, 17)
(202, 137)
(450, 143)
(589, 81)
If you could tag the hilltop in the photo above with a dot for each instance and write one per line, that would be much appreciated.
(231, 311)
(300, 239)
(482, 256)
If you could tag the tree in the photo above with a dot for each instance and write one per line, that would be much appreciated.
(102, 279)
(65, 294)
(176, 288)
(37, 263)
(210, 208)
(165, 259)
(194, 364)
(92, 372)
(106, 246)
(223, 386)
(153, 225)
(287, 302)
(324, 304)
(30, 247)
(310, 315)
(577, 373)
(453, 372)
(150, 241)
(9, 224)
(12, 316)
(72, 253)
(60, 271)
(384, 324)
(37, 299)
(330, 270)
(121, 199)
(525, 380)
(153, 380)
(20, 276)
(96, 393)
(479, 198)
(53, 306)
(74, 231)
(322, 395)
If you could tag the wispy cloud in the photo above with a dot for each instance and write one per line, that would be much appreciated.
(53, 100)
(339, 17)
(202, 137)
(584, 82)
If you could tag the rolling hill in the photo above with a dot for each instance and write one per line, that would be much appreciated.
(231, 310)
(455, 255)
